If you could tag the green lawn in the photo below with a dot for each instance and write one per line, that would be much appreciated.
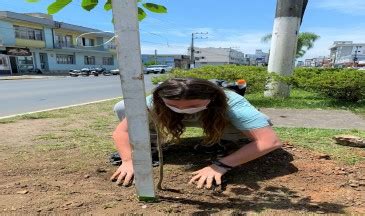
(301, 99)
(89, 128)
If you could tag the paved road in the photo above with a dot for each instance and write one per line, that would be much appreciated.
(20, 96)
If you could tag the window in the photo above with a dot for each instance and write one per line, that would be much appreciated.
(63, 41)
(28, 33)
(89, 60)
(88, 42)
(91, 42)
(65, 59)
(108, 61)
(68, 41)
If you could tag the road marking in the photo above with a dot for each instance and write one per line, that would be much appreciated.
(59, 108)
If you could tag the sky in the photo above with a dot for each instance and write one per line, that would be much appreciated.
(239, 24)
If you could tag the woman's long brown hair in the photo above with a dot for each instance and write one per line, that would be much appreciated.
(170, 123)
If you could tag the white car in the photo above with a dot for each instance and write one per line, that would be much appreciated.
(158, 69)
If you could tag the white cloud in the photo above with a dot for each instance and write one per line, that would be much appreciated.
(353, 7)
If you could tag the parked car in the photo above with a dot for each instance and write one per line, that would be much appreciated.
(115, 72)
(85, 72)
(98, 70)
(157, 69)
(74, 73)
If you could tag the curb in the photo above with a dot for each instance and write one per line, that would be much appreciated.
(29, 77)
(58, 108)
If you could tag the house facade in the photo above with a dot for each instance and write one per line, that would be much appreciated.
(30, 42)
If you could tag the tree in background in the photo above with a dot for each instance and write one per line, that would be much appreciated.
(305, 42)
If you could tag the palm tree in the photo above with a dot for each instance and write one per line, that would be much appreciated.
(305, 42)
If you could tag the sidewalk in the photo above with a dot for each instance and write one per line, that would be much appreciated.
(310, 118)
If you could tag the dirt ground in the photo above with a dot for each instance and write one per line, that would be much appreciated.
(67, 181)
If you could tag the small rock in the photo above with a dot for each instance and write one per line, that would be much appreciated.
(50, 209)
(354, 185)
(144, 206)
(13, 208)
(101, 170)
(68, 203)
(22, 192)
(119, 199)
(342, 173)
(86, 176)
(39, 210)
(324, 157)
(79, 204)
(302, 189)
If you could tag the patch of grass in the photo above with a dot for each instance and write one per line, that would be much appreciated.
(78, 111)
(44, 115)
(320, 140)
(7, 121)
(300, 99)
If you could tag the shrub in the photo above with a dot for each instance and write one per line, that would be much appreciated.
(255, 76)
(341, 84)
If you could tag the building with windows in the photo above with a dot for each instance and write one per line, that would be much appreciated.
(259, 58)
(320, 61)
(347, 53)
(35, 41)
(218, 56)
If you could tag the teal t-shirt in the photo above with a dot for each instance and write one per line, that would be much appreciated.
(241, 114)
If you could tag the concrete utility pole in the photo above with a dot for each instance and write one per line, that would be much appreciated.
(155, 56)
(289, 14)
(192, 50)
(131, 75)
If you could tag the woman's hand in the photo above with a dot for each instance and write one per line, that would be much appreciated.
(207, 175)
(124, 172)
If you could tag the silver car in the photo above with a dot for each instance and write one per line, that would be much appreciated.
(157, 69)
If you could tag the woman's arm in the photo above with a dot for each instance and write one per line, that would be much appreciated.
(121, 140)
(264, 140)
(125, 172)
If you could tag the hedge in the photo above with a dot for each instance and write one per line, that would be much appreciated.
(341, 84)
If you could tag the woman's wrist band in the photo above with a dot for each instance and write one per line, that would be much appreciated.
(220, 164)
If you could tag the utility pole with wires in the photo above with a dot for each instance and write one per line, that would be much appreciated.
(192, 50)
(155, 56)
(288, 18)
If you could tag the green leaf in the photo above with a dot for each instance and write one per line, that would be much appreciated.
(108, 5)
(89, 4)
(32, 1)
(155, 8)
(57, 6)
(141, 14)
